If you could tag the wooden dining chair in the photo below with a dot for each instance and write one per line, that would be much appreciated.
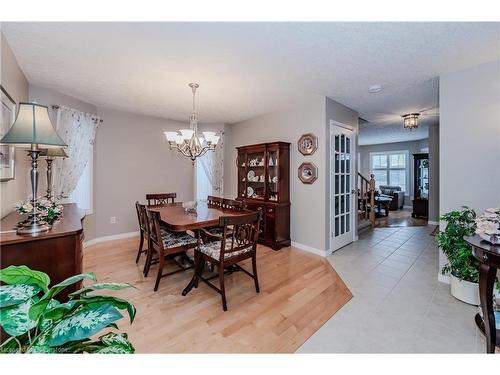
(233, 204)
(214, 201)
(233, 246)
(166, 245)
(160, 198)
(143, 229)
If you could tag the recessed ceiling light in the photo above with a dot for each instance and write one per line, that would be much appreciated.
(373, 89)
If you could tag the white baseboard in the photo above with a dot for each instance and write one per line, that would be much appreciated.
(443, 278)
(110, 238)
(432, 222)
(312, 250)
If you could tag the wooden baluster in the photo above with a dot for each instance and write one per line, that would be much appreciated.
(372, 199)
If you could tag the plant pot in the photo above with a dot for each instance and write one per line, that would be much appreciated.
(465, 291)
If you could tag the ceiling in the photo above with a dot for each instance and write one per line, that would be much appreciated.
(247, 69)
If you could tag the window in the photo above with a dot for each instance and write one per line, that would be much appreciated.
(83, 193)
(390, 168)
(203, 185)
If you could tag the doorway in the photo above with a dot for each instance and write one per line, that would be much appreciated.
(342, 185)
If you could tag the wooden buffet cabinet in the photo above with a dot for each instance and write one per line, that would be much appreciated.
(264, 184)
(57, 252)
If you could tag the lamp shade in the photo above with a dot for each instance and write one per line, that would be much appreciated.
(54, 152)
(32, 126)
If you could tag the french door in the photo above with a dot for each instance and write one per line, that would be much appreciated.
(342, 185)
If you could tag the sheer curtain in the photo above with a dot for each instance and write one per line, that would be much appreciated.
(212, 164)
(78, 131)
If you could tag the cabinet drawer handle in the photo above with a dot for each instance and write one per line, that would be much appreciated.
(270, 210)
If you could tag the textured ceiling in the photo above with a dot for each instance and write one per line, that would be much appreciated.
(247, 69)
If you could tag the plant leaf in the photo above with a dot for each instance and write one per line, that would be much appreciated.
(101, 286)
(95, 301)
(17, 293)
(15, 319)
(24, 275)
(114, 341)
(41, 305)
(83, 323)
(61, 310)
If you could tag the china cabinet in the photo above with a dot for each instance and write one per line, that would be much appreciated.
(264, 184)
(421, 185)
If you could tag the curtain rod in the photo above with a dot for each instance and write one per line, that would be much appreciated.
(56, 107)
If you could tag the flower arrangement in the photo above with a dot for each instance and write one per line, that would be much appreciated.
(488, 225)
(49, 210)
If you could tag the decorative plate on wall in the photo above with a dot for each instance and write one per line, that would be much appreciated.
(308, 173)
(308, 144)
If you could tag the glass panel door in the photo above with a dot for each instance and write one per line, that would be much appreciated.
(342, 171)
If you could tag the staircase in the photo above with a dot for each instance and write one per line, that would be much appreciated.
(366, 203)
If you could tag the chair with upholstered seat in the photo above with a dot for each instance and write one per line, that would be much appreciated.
(232, 204)
(143, 228)
(214, 201)
(237, 243)
(166, 245)
(160, 198)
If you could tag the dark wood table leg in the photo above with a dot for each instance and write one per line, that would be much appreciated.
(198, 266)
(487, 275)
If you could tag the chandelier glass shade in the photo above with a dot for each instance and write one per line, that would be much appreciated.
(188, 141)
(410, 121)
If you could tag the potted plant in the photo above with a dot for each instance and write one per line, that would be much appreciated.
(462, 266)
(39, 323)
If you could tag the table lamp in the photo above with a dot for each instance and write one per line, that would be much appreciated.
(50, 154)
(33, 128)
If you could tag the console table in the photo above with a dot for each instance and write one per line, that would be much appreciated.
(488, 256)
(57, 252)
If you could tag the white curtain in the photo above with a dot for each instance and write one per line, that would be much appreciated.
(78, 130)
(213, 165)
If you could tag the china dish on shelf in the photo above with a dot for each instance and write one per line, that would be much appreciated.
(250, 175)
(250, 192)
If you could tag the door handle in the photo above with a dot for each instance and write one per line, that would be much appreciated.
(353, 191)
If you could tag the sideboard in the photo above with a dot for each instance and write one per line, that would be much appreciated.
(57, 252)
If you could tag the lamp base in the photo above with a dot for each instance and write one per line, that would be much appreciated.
(33, 227)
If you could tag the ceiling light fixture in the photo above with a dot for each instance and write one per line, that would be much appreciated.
(410, 120)
(189, 142)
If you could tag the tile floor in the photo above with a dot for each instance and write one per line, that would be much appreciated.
(398, 304)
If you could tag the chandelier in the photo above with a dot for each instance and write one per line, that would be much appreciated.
(410, 121)
(188, 141)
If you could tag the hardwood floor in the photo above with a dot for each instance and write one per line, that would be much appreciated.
(399, 218)
(299, 293)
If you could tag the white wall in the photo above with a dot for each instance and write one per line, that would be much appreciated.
(14, 82)
(132, 159)
(469, 139)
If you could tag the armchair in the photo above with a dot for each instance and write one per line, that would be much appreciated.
(398, 196)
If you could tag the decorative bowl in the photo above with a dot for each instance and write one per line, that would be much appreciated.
(189, 206)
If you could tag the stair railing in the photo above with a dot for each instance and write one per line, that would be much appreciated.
(366, 198)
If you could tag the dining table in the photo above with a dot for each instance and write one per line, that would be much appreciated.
(177, 219)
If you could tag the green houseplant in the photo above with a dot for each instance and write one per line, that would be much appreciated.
(462, 266)
(38, 323)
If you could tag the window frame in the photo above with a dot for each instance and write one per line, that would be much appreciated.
(388, 168)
